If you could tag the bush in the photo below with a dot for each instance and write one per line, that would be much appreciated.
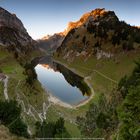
(98, 118)
(10, 116)
(115, 40)
(1, 71)
(91, 28)
(31, 74)
(97, 45)
(129, 110)
(45, 130)
(77, 36)
(19, 128)
(102, 120)
(129, 113)
(52, 129)
(128, 45)
(9, 111)
(84, 39)
(119, 114)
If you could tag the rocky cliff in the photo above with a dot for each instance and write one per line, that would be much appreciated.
(51, 43)
(93, 16)
(99, 33)
(13, 35)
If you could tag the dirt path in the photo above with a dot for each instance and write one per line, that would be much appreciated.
(92, 70)
(30, 109)
(5, 81)
(101, 74)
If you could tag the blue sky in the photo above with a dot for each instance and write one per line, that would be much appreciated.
(42, 17)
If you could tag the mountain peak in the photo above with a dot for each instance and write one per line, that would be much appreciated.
(100, 12)
(99, 33)
(13, 32)
(97, 15)
(10, 20)
(46, 37)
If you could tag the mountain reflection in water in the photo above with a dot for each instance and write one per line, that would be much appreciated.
(62, 83)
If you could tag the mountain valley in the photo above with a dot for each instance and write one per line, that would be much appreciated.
(96, 55)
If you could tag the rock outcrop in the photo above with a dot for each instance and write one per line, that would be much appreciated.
(10, 20)
(51, 43)
(93, 16)
(98, 31)
(13, 35)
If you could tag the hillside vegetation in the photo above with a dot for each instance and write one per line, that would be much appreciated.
(101, 34)
(18, 80)
(100, 47)
(103, 50)
(115, 116)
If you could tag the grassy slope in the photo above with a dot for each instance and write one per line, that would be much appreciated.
(6, 135)
(101, 84)
(34, 97)
(16, 85)
(85, 68)
(107, 67)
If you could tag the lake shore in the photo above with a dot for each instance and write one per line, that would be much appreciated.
(54, 100)
(86, 80)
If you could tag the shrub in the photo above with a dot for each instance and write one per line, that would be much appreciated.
(1, 71)
(116, 115)
(19, 128)
(128, 45)
(10, 116)
(31, 74)
(84, 39)
(52, 129)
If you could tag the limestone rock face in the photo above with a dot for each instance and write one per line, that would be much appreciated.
(12, 32)
(51, 43)
(98, 33)
(10, 20)
(93, 16)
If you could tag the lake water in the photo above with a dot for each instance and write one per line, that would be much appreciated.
(65, 87)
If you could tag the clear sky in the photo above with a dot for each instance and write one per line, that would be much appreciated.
(42, 17)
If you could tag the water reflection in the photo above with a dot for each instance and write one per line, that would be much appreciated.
(63, 86)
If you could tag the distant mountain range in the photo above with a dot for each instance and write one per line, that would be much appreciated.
(50, 43)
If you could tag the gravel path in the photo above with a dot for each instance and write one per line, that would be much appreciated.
(5, 81)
